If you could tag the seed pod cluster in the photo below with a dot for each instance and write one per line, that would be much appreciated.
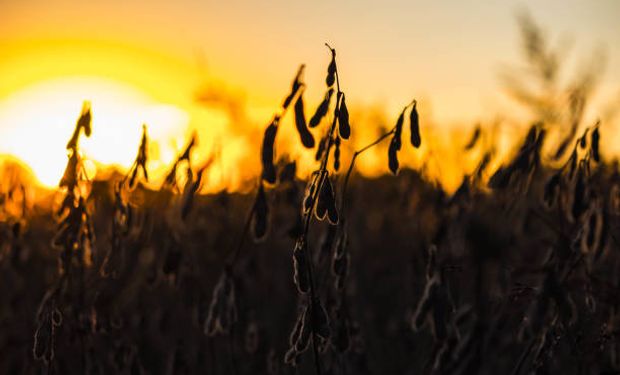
(312, 322)
(83, 122)
(187, 152)
(320, 320)
(396, 141)
(141, 159)
(326, 202)
(551, 290)
(267, 151)
(192, 187)
(434, 307)
(572, 164)
(74, 234)
(185, 156)
(189, 191)
(71, 176)
(223, 309)
(300, 337)
(260, 219)
(526, 161)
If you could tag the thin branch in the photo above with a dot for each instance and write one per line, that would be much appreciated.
(352, 164)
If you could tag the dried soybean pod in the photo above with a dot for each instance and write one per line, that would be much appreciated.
(551, 189)
(69, 178)
(296, 332)
(132, 178)
(300, 276)
(320, 209)
(326, 203)
(321, 321)
(337, 154)
(531, 137)
(294, 87)
(72, 144)
(305, 333)
(595, 137)
(85, 120)
(261, 214)
(288, 172)
(501, 178)
(328, 195)
(321, 110)
(414, 120)
(392, 155)
(300, 122)
(572, 164)
(474, 138)
(142, 157)
(291, 357)
(579, 194)
(321, 148)
(331, 70)
(188, 149)
(583, 140)
(398, 130)
(269, 169)
(308, 201)
(343, 119)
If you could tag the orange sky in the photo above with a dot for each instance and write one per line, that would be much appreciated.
(151, 56)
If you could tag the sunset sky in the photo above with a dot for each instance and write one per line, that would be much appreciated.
(143, 61)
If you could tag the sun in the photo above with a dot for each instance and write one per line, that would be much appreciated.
(37, 120)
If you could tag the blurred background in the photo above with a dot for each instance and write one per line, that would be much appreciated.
(222, 69)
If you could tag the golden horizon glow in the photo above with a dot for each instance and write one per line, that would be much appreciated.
(44, 84)
(42, 117)
(144, 62)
